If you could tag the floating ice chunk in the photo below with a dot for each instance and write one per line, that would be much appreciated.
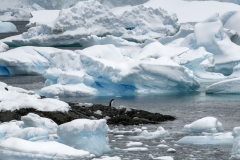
(223, 139)
(171, 150)
(34, 120)
(3, 47)
(161, 158)
(206, 124)
(30, 134)
(6, 27)
(134, 131)
(159, 133)
(107, 158)
(98, 112)
(162, 146)
(226, 86)
(89, 135)
(15, 148)
(9, 128)
(134, 144)
(134, 149)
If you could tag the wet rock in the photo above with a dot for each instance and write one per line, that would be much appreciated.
(116, 116)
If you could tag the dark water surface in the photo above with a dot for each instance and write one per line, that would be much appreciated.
(185, 107)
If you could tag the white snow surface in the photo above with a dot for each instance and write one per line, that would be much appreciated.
(6, 27)
(19, 149)
(17, 98)
(206, 124)
(34, 120)
(218, 139)
(231, 86)
(88, 135)
(43, 17)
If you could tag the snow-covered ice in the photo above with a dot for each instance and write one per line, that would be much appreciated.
(134, 144)
(17, 98)
(30, 134)
(92, 18)
(206, 124)
(15, 149)
(134, 149)
(107, 158)
(88, 135)
(34, 120)
(159, 133)
(9, 128)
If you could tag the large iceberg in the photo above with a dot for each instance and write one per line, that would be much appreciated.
(206, 124)
(6, 27)
(12, 98)
(108, 70)
(19, 149)
(210, 35)
(88, 135)
(92, 18)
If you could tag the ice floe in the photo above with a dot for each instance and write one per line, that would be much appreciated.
(160, 158)
(235, 154)
(206, 124)
(6, 27)
(3, 47)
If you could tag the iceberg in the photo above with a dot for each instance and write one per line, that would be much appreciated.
(222, 139)
(206, 124)
(34, 120)
(108, 70)
(227, 86)
(19, 149)
(6, 27)
(92, 18)
(210, 35)
(84, 134)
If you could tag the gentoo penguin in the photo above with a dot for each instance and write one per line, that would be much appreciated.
(111, 102)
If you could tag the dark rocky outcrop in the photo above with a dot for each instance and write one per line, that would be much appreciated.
(124, 116)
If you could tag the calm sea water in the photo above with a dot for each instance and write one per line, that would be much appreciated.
(185, 107)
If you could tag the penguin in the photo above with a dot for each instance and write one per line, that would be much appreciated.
(111, 102)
